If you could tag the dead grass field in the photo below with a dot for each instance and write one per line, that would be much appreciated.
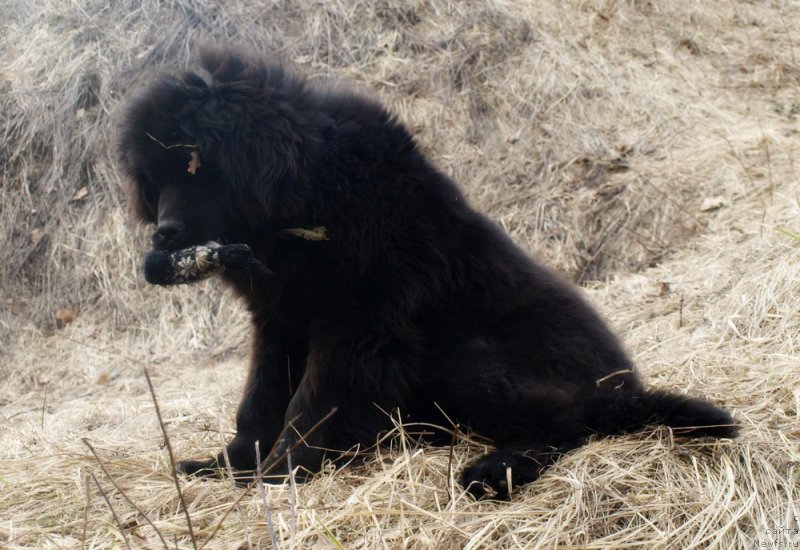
(648, 148)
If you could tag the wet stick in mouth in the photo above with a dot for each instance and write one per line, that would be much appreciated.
(196, 263)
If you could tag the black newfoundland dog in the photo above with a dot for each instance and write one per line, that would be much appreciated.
(385, 292)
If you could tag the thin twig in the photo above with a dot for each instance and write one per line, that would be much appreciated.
(122, 493)
(264, 473)
(229, 470)
(113, 513)
(171, 459)
(450, 463)
(44, 404)
(86, 512)
(292, 491)
(151, 136)
(267, 512)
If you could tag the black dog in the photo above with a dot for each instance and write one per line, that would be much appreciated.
(410, 302)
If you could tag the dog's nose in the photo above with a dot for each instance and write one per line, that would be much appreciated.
(167, 233)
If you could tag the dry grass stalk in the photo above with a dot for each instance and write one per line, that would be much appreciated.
(232, 479)
(120, 527)
(262, 494)
(268, 469)
(121, 492)
(173, 465)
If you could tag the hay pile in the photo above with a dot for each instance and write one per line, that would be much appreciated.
(648, 149)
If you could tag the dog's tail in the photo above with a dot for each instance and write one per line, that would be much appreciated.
(687, 415)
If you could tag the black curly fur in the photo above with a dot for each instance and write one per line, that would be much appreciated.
(415, 302)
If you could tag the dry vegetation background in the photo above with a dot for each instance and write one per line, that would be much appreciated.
(646, 148)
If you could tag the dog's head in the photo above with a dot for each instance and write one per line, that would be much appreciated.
(216, 153)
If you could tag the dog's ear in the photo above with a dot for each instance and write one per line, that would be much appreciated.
(228, 63)
(201, 79)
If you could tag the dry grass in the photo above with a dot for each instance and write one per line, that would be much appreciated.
(646, 148)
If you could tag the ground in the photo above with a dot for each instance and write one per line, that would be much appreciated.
(647, 149)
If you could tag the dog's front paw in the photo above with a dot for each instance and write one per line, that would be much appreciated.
(201, 468)
(494, 476)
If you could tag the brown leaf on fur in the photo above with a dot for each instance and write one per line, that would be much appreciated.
(194, 164)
